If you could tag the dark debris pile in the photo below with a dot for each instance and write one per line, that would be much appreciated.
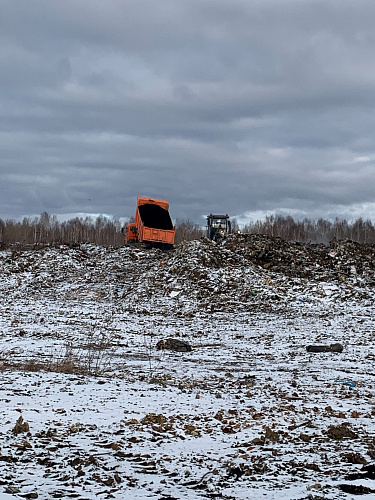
(337, 260)
(245, 272)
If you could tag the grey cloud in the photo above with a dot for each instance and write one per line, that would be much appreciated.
(214, 105)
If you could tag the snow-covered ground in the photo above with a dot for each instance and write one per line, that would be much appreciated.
(247, 414)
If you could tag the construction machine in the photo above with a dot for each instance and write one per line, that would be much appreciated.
(218, 227)
(152, 225)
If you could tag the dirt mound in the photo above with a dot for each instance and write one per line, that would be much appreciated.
(337, 260)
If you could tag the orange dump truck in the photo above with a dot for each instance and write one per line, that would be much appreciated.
(153, 225)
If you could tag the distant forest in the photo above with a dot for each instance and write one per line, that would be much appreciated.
(47, 230)
(319, 231)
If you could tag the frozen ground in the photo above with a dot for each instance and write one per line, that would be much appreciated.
(247, 414)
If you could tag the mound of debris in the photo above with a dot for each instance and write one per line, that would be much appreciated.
(247, 272)
(337, 260)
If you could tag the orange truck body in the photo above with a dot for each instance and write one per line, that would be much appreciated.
(152, 224)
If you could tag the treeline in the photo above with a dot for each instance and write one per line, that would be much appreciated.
(47, 230)
(319, 231)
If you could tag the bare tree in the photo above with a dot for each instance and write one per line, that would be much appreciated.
(187, 231)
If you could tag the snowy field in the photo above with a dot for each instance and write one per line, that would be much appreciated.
(90, 408)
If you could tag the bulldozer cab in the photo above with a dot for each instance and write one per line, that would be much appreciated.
(218, 227)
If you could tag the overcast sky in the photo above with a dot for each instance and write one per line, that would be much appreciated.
(247, 107)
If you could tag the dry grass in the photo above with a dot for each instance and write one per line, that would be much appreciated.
(92, 357)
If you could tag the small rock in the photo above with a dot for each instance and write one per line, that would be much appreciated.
(325, 348)
(336, 347)
(173, 345)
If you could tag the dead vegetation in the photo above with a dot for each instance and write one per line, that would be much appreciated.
(91, 356)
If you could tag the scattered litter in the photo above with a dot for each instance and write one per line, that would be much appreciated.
(350, 383)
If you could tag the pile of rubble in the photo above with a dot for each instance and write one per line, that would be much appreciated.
(337, 260)
(265, 273)
(247, 272)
